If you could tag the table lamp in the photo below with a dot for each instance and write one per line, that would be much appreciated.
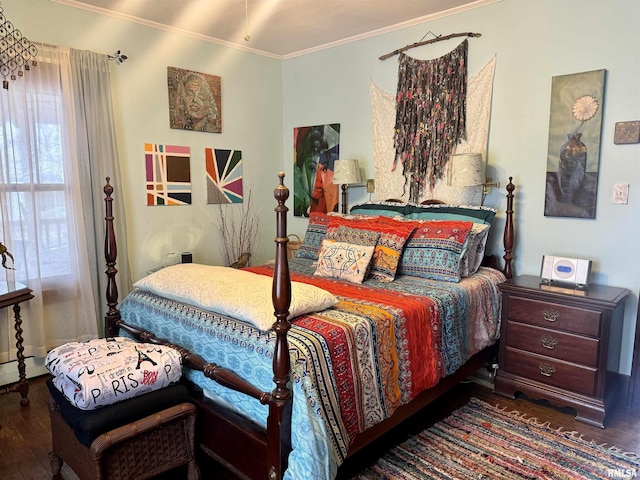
(467, 170)
(346, 172)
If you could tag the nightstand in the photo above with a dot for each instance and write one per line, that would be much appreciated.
(554, 344)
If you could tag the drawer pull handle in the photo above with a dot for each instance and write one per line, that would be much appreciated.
(550, 315)
(546, 369)
(549, 342)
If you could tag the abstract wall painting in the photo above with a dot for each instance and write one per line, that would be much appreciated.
(194, 100)
(168, 174)
(573, 156)
(315, 150)
(224, 176)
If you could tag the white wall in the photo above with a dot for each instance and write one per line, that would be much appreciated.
(251, 116)
(265, 99)
(533, 40)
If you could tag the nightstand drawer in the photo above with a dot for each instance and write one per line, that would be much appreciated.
(544, 341)
(550, 371)
(556, 316)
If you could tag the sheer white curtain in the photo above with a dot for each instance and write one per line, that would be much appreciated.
(98, 158)
(44, 164)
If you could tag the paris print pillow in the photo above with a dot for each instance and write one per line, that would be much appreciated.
(108, 370)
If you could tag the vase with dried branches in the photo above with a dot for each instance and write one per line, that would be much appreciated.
(238, 232)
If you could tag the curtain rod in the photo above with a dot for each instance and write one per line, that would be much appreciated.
(426, 42)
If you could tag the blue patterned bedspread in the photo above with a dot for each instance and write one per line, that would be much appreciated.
(352, 365)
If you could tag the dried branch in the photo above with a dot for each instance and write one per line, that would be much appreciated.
(238, 233)
(439, 38)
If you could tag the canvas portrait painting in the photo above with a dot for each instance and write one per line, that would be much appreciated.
(316, 148)
(194, 100)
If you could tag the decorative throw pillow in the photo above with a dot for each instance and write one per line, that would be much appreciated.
(435, 250)
(467, 213)
(474, 253)
(470, 213)
(314, 235)
(393, 235)
(132, 368)
(344, 261)
(387, 209)
(356, 236)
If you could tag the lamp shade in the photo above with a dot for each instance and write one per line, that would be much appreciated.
(467, 169)
(346, 172)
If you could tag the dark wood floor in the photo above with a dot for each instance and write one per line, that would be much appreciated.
(25, 431)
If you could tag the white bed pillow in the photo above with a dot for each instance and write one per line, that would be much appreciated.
(236, 293)
(474, 254)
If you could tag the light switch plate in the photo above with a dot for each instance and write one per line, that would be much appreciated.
(621, 193)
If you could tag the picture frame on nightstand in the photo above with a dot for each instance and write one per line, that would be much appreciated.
(565, 270)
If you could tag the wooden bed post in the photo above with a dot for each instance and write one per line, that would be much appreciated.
(508, 231)
(279, 421)
(110, 254)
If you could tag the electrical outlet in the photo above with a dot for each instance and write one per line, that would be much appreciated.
(621, 193)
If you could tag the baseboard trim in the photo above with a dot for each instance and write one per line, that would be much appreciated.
(626, 391)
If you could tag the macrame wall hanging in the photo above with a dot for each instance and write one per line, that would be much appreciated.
(430, 113)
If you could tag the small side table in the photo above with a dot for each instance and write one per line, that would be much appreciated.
(13, 293)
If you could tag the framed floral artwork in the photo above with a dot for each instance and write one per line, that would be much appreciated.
(573, 155)
(194, 100)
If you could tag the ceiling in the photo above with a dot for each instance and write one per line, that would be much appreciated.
(278, 28)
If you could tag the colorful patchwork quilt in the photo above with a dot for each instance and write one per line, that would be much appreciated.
(352, 364)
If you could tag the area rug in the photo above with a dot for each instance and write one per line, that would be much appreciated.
(482, 441)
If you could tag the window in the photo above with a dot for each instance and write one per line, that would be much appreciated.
(52, 140)
(33, 161)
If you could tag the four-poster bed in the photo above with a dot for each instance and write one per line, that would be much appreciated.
(254, 450)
